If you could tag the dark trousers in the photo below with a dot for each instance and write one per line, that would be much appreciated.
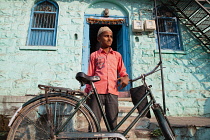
(110, 102)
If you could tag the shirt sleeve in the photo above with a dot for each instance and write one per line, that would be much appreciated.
(91, 70)
(121, 67)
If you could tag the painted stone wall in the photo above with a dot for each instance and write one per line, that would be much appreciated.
(186, 79)
(186, 76)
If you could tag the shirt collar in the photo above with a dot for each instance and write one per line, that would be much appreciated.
(102, 51)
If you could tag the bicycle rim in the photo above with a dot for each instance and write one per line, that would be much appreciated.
(40, 121)
(163, 123)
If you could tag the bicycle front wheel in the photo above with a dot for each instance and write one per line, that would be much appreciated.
(41, 119)
(163, 123)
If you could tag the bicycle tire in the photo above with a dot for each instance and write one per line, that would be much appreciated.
(33, 122)
(163, 123)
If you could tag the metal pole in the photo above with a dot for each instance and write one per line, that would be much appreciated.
(160, 56)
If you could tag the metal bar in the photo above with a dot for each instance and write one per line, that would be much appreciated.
(101, 108)
(43, 29)
(195, 27)
(151, 96)
(129, 113)
(41, 12)
(94, 135)
(160, 57)
(187, 5)
(197, 1)
(73, 112)
(146, 109)
(168, 33)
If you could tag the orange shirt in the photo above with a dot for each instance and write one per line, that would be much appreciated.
(108, 66)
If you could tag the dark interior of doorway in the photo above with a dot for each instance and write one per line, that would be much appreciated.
(93, 35)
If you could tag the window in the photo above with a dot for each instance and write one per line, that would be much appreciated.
(168, 30)
(43, 26)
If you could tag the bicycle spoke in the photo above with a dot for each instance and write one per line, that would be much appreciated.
(36, 123)
(29, 121)
(42, 116)
(64, 113)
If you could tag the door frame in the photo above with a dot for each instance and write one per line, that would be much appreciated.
(126, 47)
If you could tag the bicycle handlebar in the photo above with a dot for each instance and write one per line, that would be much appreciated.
(147, 74)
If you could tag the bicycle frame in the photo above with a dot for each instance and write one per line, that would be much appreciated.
(73, 112)
(80, 103)
(145, 110)
(151, 103)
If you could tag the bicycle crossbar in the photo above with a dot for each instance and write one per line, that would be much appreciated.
(72, 135)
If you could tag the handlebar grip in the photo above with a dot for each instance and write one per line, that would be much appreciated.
(42, 87)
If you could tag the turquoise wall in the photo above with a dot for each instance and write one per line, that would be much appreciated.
(186, 76)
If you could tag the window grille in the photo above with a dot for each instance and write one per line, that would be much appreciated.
(168, 30)
(43, 25)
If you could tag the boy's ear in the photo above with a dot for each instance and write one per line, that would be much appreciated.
(98, 38)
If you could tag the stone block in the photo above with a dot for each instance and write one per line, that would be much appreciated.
(6, 83)
(3, 56)
(76, 21)
(21, 83)
(205, 93)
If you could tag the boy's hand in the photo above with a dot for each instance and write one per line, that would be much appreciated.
(123, 81)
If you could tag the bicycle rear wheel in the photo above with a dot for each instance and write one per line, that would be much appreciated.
(163, 123)
(40, 120)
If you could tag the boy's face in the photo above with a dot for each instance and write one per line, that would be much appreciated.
(105, 39)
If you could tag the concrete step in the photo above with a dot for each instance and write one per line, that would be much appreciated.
(124, 94)
(125, 102)
(125, 105)
(142, 130)
(188, 128)
(125, 124)
(123, 111)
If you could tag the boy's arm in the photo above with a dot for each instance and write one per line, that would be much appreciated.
(124, 79)
(91, 69)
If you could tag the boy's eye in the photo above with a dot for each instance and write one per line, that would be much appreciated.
(108, 36)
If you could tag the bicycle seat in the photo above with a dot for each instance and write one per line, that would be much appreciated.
(85, 79)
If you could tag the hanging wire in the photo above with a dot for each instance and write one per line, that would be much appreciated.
(160, 56)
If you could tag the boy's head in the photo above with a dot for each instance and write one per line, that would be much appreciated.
(105, 37)
(103, 29)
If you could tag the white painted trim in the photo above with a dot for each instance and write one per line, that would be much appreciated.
(39, 48)
(170, 52)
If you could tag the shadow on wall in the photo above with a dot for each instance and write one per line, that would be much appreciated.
(207, 108)
(196, 66)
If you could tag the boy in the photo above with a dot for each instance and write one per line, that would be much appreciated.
(107, 64)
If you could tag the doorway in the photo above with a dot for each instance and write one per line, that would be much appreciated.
(93, 36)
(120, 44)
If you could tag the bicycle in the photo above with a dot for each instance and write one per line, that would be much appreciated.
(61, 113)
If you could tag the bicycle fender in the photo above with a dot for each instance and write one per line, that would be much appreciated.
(14, 117)
(49, 95)
(163, 122)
